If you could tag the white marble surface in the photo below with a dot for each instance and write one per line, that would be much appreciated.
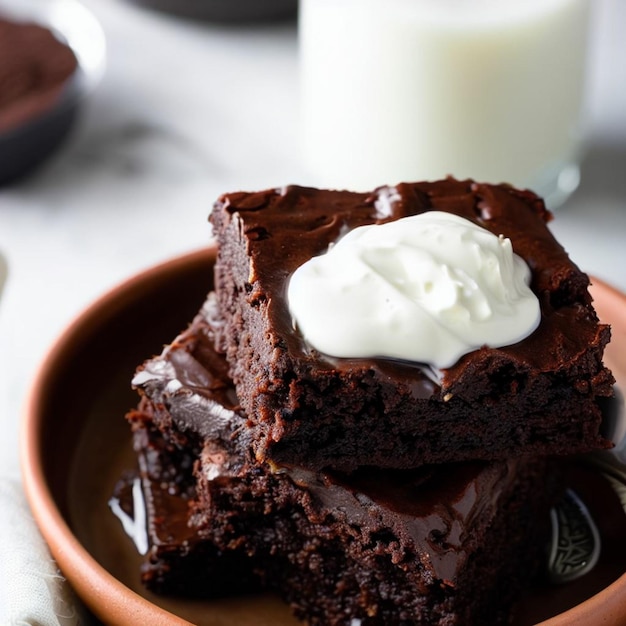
(184, 112)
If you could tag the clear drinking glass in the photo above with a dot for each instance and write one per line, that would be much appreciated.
(419, 89)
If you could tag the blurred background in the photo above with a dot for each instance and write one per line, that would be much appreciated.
(180, 110)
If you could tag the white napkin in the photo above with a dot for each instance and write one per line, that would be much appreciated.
(32, 590)
(3, 272)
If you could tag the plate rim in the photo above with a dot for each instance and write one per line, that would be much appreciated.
(73, 558)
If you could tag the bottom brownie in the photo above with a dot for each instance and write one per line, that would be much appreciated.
(440, 546)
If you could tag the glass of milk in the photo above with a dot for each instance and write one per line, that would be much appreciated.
(396, 90)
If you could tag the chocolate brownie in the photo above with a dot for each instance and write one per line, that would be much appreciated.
(189, 560)
(449, 544)
(534, 397)
(177, 561)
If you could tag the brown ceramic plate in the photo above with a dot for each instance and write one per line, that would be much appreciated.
(75, 444)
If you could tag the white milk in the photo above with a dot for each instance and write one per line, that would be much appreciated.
(398, 90)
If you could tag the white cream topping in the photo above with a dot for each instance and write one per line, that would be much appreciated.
(427, 288)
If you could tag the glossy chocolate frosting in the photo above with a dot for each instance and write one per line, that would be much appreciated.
(191, 379)
(436, 511)
(290, 225)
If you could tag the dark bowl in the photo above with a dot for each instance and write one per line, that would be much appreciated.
(226, 10)
(25, 147)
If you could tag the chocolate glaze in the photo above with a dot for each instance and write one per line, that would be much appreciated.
(303, 222)
(435, 510)
(190, 385)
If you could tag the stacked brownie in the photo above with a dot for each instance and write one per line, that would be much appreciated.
(365, 490)
(537, 396)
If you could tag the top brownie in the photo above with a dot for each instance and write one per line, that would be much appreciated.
(536, 396)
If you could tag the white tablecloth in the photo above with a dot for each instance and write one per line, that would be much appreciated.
(186, 111)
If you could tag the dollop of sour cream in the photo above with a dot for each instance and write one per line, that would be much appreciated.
(427, 288)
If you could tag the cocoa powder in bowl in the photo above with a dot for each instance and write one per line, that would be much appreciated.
(34, 68)
(39, 96)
